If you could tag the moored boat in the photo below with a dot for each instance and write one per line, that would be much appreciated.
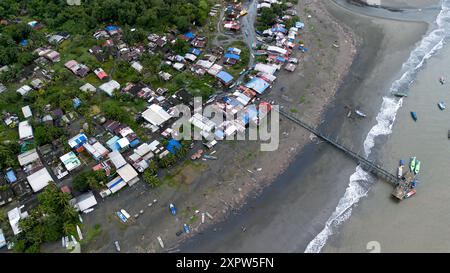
(412, 164)
(173, 210)
(442, 80)
(410, 193)
(417, 167)
(400, 94)
(442, 105)
(414, 116)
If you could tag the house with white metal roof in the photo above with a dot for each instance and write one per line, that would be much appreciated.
(39, 179)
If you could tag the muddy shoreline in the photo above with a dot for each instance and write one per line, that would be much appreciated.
(277, 225)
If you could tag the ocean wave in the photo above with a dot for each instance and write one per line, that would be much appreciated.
(360, 181)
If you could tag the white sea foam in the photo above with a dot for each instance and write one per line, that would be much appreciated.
(360, 181)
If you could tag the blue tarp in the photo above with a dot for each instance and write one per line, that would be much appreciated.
(134, 143)
(299, 25)
(24, 42)
(224, 77)
(219, 134)
(189, 35)
(112, 143)
(115, 184)
(280, 59)
(195, 51)
(11, 177)
(111, 28)
(257, 84)
(173, 146)
(76, 102)
(232, 56)
(279, 29)
(249, 114)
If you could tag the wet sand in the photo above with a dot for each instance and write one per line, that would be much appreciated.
(294, 209)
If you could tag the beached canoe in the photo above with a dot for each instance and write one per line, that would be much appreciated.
(442, 105)
(400, 94)
(361, 114)
(412, 163)
(173, 210)
(417, 168)
(414, 116)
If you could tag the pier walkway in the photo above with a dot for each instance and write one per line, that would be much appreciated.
(364, 162)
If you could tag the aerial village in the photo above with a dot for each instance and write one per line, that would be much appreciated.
(114, 129)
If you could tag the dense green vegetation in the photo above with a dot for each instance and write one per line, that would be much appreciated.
(52, 219)
(156, 15)
(244, 58)
(93, 180)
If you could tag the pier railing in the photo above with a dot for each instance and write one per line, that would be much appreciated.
(364, 162)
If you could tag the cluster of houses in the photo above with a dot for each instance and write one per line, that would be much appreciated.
(232, 13)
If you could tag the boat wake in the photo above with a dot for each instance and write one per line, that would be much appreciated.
(360, 180)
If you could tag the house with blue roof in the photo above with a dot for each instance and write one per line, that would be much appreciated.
(258, 85)
(11, 176)
(195, 51)
(77, 141)
(224, 77)
(189, 35)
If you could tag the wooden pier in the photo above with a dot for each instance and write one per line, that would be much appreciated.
(364, 162)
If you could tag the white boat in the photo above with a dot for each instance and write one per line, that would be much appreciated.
(125, 213)
(160, 242)
(361, 114)
(116, 243)
(400, 172)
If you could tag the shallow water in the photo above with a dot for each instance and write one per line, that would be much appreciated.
(419, 223)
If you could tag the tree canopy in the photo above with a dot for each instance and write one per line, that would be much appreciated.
(52, 219)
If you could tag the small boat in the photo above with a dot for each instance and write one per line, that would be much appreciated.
(442, 105)
(125, 213)
(412, 164)
(400, 171)
(160, 241)
(361, 114)
(449, 134)
(417, 168)
(400, 94)
(173, 210)
(186, 228)
(414, 116)
(116, 243)
(121, 216)
(410, 193)
(442, 80)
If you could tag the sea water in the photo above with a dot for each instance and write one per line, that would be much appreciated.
(360, 182)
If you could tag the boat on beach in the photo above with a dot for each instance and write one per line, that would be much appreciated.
(442, 105)
(360, 114)
(400, 94)
(414, 116)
